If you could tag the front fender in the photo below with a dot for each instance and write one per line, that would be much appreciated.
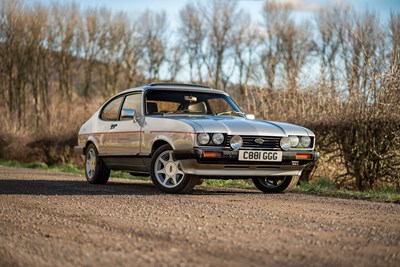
(177, 140)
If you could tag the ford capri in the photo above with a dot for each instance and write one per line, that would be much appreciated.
(180, 134)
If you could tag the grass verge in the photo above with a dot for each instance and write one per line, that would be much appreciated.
(325, 187)
(229, 183)
(322, 187)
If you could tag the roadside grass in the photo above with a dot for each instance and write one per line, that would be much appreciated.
(31, 165)
(229, 183)
(321, 187)
(67, 168)
(325, 187)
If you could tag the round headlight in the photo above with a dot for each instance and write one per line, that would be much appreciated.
(218, 138)
(236, 142)
(294, 141)
(203, 138)
(305, 141)
(285, 143)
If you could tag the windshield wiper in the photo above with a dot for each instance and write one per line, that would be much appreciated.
(181, 111)
(232, 112)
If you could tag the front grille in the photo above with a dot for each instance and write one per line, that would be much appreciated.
(270, 142)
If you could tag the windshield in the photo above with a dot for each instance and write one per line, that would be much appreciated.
(161, 102)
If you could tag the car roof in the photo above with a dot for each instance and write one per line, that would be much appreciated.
(176, 87)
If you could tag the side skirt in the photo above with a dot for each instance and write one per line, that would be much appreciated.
(128, 163)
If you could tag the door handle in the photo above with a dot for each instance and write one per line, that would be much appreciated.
(113, 126)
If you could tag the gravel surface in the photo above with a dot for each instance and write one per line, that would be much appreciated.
(57, 219)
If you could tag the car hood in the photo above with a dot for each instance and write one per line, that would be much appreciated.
(243, 126)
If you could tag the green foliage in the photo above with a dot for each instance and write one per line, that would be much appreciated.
(37, 165)
(229, 183)
(326, 187)
(68, 167)
(325, 184)
(17, 164)
(126, 175)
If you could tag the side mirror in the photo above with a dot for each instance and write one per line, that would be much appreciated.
(250, 116)
(128, 114)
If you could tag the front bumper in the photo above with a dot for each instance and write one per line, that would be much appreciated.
(227, 163)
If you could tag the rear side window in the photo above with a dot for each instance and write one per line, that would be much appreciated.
(111, 110)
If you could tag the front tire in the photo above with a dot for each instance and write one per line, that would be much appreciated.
(167, 174)
(279, 184)
(96, 171)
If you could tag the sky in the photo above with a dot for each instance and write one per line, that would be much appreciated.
(253, 7)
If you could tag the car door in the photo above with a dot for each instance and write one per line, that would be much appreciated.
(123, 138)
(108, 120)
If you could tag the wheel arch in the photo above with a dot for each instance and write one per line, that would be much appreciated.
(157, 144)
(89, 141)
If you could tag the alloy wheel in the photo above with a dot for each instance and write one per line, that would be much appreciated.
(168, 170)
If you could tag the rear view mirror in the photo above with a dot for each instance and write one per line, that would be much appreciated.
(190, 98)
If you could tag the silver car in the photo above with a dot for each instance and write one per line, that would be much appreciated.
(180, 134)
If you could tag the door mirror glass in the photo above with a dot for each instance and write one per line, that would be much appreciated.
(250, 116)
(128, 114)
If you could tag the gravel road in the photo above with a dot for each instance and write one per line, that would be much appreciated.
(57, 219)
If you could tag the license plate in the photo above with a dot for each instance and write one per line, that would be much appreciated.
(253, 155)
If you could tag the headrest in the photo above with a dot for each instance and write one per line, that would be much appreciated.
(198, 108)
(152, 107)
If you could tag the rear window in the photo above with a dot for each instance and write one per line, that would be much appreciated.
(111, 111)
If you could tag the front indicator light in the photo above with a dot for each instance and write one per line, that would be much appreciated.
(304, 156)
(211, 154)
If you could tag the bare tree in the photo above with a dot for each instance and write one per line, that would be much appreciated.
(220, 24)
(14, 59)
(245, 43)
(287, 43)
(330, 30)
(90, 32)
(38, 55)
(133, 55)
(154, 34)
(274, 16)
(394, 37)
(393, 72)
(193, 37)
(174, 62)
(63, 32)
(113, 48)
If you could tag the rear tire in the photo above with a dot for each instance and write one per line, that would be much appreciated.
(279, 184)
(96, 171)
(167, 175)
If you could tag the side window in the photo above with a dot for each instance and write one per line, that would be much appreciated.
(134, 102)
(111, 111)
